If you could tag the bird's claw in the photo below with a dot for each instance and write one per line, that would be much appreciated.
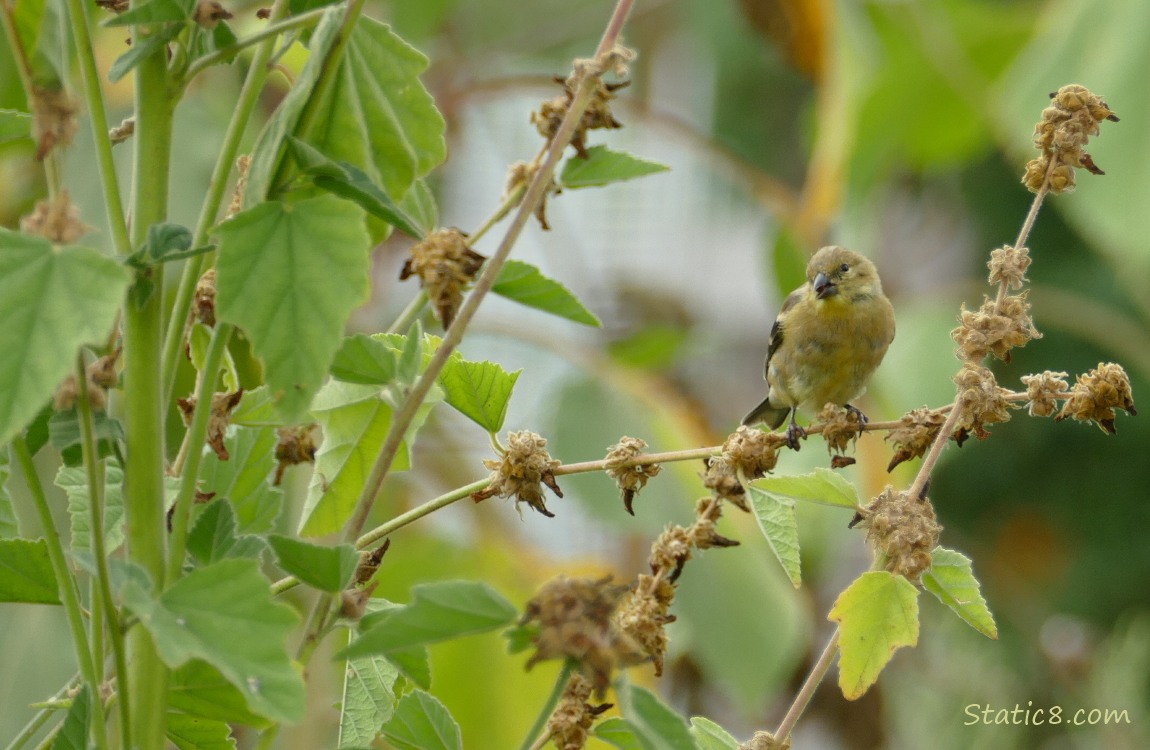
(794, 434)
(858, 413)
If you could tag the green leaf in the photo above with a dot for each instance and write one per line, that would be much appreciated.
(199, 338)
(655, 724)
(8, 525)
(314, 254)
(414, 663)
(26, 572)
(877, 615)
(14, 126)
(775, 515)
(618, 731)
(142, 50)
(213, 536)
(365, 360)
(407, 367)
(419, 204)
(74, 482)
(73, 734)
(604, 166)
(52, 300)
(350, 182)
(224, 614)
(198, 688)
(256, 409)
(65, 436)
(197, 733)
(368, 699)
(438, 612)
(789, 262)
(153, 11)
(319, 566)
(951, 579)
(526, 284)
(38, 27)
(710, 736)
(243, 479)
(822, 486)
(421, 722)
(378, 116)
(479, 390)
(521, 637)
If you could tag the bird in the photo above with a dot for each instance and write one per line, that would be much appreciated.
(828, 339)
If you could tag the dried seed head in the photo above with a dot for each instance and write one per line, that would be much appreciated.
(54, 120)
(209, 13)
(994, 330)
(102, 373)
(752, 451)
(222, 406)
(57, 220)
(840, 427)
(914, 435)
(296, 446)
(671, 551)
(204, 301)
(1008, 266)
(573, 716)
(1043, 391)
(576, 622)
(1097, 393)
(353, 601)
(980, 399)
(766, 741)
(629, 479)
(445, 265)
(519, 176)
(720, 478)
(643, 618)
(904, 530)
(1061, 135)
(522, 472)
(708, 510)
(369, 562)
(598, 113)
(243, 163)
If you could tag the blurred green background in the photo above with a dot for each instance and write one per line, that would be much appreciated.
(899, 129)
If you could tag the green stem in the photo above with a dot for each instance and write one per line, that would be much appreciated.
(548, 708)
(454, 334)
(103, 589)
(510, 201)
(410, 314)
(40, 718)
(807, 691)
(94, 99)
(65, 583)
(197, 430)
(269, 33)
(249, 96)
(145, 525)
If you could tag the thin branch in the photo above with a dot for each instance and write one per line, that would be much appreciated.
(810, 685)
(269, 33)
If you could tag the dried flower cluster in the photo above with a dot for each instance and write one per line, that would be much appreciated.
(209, 13)
(840, 427)
(1061, 135)
(569, 724)
(766, 741)
(296, 446)
(1008, 266)
(629, 478)
(914, 435)
(644, 615)
(101, 375)
(994, 329)
(57, 220)
(980, 401)
(1097, 394)
(54, 120)
(904, 530)
(445, 265)
(222, 406)
(522, 472)
(598, 113)
(748, 451)
(1043, 391)
(519, 176)
(204, 299)
(576, 621)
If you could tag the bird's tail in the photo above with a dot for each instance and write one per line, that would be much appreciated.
(772, 416)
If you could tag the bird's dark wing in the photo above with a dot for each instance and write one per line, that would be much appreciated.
(777, 329)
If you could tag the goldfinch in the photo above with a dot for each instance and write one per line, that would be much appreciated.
(827, 340)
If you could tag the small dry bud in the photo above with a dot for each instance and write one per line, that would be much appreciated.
(518, 177)
(353, 601)
(720, 478)
(766, 741)
(629, 479)
(369, 562)
(1066, 126)
(209, 13)
(994, 330)
(296, 446)
(671, 551)
(222, 406)
(57, 220)
(571, 721)
(980, 399)
(445, 265)
(1097, 393)
(708, 510)
(597, 115)
(243, 163)
(840, 427)
(102, 373)
(904, 530)
(643, 618)
(54, 121)
(1043, 391)
(914, 435)
(122, 132)
(522, 472)
(1008, 266)
(752, 451)
(204, 299)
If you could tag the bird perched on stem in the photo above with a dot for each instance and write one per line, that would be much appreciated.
(829, 337)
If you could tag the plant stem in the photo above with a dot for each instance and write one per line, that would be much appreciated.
(66, 585)
(249, 95)
(454, 334)
(40, 718)
(144, 409)
(103, 589)
(410, 314)
(531, 741)
(194, 441)
(268, 34)
(810, 685)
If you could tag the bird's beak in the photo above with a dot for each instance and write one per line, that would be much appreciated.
(824, 287)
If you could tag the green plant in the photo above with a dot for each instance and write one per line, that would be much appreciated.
(182, 636)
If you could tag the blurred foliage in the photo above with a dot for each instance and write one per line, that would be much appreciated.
(899, 128)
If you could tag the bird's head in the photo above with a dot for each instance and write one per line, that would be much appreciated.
(835, 270)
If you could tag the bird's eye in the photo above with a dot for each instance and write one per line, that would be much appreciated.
(844, 268)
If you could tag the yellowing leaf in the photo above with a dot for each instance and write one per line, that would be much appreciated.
(952, 581)
(877, 615)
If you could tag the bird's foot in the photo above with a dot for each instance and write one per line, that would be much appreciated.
(858, 413)
(794, 434)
